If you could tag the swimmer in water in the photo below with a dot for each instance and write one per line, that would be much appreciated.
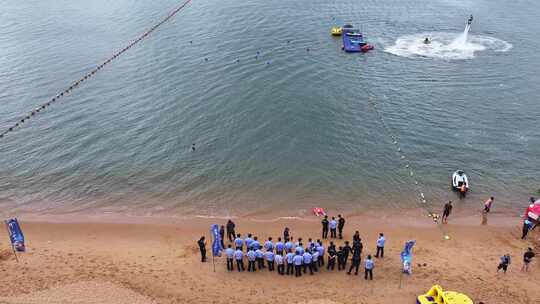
(426, 41)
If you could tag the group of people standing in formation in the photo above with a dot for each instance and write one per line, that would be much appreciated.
(289, 256)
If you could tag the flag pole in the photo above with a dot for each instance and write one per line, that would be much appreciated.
(11, 241)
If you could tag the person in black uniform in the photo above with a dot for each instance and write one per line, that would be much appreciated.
(331, 258)
(230, 231)
(325, 224)
(340, 259)
(202, 247)
(346, 251)
(356, 256)
(341, 224)
(356, 237)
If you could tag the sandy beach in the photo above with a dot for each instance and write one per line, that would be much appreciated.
(153, 260)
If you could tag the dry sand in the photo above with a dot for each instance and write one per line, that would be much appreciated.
(145, 261)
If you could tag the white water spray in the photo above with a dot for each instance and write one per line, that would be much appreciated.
(446, 46)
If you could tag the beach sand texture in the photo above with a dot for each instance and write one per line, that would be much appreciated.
(99, 262)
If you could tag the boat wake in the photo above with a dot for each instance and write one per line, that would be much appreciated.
(445, 45)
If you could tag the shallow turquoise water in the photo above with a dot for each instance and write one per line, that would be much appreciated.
(276, 126)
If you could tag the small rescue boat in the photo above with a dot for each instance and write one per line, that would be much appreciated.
(459, 179)
(336, 31)
(436, 295)
(353, 41)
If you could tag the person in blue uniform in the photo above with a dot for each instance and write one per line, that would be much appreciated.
(239, 256)
(369, 268)
(229, 252)
(298, 260)
(251, 260)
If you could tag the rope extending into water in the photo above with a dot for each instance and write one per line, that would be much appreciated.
(77, 83)
(422, 200)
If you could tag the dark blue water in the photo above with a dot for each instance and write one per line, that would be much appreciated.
(279, 114)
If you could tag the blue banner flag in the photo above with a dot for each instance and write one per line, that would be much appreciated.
(16, 235)
(216, 244)
(406, 256)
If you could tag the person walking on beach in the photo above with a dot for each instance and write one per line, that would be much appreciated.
(280, 266)
(347, 250)
(487, 204)
(446, 212)
(239, 242)
(325, 223)
(230, 231)
(298, 260)
(369, 268)
(290, 262)
(333, 227)
(341, 225)
(527, 259)
(202, 247)
(251, 260)
(380, 245)
(239, 255)
(505, 261)
(229, 252)
(308, 259)
(269, 256)
(222, 235)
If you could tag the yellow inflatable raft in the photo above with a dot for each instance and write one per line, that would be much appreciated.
(436, 295)
(336, 31)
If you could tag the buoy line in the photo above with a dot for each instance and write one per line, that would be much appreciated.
(77, 83)
(422, 201)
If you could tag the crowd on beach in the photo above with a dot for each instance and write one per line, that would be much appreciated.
(291, 256)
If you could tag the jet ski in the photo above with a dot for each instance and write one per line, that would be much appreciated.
(458, 179)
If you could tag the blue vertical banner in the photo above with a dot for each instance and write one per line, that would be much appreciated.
(16, 235)
(216, 243)
(406, 256)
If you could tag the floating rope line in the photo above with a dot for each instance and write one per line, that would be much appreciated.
(422, 201)
(76, 84)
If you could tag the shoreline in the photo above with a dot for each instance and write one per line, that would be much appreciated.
(156, 260)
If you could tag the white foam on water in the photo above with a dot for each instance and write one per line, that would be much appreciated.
(445, 45)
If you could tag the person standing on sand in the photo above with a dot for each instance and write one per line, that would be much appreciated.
(505, 261)
(286, 234)
(331, 259)
(290, 262)
(202, 246)
(280, 266)
(230, 231)
(356, 237)
(369, 268)
(248, 240)
(239, 242)
(269, 245)
(251, 260)
(239, 256)
(315, 259)
(446, 212)
(255, 244)
(340, 258)
(279, 246)
(289, 245)
(298, 260)
(320, 249)
(346, 251)
(229, 252)
(308, 259)
(356, 257)
(333, 227)
(526, 227)
(325, 223)
(299, 249)
(222, 235)
(487, 204)
(341, 225)
(259, 255)
(527, 259)
(380, 245)
(269, 256)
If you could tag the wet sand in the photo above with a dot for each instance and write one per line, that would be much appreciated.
(75, 259)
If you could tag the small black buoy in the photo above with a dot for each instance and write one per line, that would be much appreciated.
(191, 41)
(237, 60)
(205, 59)
(193, 147)
(307, 49)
